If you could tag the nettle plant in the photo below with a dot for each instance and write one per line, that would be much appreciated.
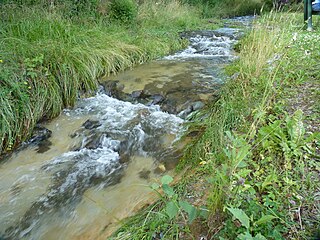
(265, 178)
(286, 139)
(174, 206)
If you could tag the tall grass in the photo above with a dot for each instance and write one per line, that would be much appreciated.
(49, 58)
(168, 13)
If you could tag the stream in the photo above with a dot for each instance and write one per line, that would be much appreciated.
(94, 163)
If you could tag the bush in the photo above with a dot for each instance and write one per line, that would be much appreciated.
(124, 11)
(228, 8)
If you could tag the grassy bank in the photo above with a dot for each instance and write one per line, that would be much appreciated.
(255, 165)
(53, 53)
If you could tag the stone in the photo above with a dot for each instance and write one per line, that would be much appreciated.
(144, 174)
(91, 124)
(160, 169)
(157, 98)
(197, 105)
(113, 88)
(138, 94)
(93, 141)
(44, 146)
(124, 158)
(39, 134)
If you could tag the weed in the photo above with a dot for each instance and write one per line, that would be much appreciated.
(169, 218)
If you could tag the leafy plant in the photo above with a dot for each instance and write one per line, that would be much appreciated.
(248, 223)
(260, 185)
(175, 206)
(286, 138)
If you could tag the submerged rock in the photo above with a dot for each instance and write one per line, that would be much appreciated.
(44, 146)
(232, 33)
(39, 134)
(157, 99)
(145, 174)
(138, 94)
(115, 89)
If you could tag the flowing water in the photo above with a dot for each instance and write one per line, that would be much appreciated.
(96, 167)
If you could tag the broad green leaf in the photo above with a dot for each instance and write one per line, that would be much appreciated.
(155, 186)
(172, 209)
(242, 164)
(168, 190)
(270, 179)
(192, 215)
(295, 126)
(191, 210)
(186, 206)
(230, 136)
(259, 237)
(242, 153)
(166, 179)
(204, 212)
(265, 219)
(241, 216)
(245, 236)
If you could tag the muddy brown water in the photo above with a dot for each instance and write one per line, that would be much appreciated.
(103, 155)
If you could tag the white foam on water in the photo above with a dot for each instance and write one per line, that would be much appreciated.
(120, 122)
(206, 47)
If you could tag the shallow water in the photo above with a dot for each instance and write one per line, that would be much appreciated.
(43, 192)
(96, 167)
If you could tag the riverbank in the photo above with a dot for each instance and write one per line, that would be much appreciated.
(53, 54)
(255, 165)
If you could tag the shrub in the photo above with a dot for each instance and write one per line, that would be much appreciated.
(124, 11)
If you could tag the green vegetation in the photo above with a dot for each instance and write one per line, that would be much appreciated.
(260, 162)
(229, 8)
(255, 161)
(124, 11)
(157, 222)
